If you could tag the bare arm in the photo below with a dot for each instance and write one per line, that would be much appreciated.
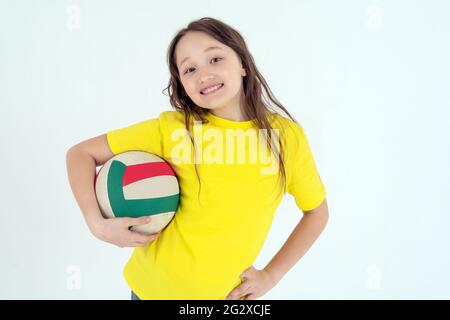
(299, 242)
(81, 161)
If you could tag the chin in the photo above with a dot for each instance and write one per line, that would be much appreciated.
(210, 107)
(224, 102)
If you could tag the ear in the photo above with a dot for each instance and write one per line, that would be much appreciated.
(243, 72)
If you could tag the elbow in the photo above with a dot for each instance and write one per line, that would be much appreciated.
(69, 155)
(324, 213)
(326, 217)
(71, 152)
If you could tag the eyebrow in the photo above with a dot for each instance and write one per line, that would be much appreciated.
(207, 49)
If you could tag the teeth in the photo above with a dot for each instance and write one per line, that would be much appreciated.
(211, 89)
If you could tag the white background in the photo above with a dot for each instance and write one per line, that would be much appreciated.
(368, 80)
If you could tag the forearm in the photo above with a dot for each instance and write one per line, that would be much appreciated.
(300, 240)
(81, 170)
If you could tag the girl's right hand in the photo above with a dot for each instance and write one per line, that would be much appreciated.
(116, 231)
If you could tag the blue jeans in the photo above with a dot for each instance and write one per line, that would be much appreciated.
(134, 296)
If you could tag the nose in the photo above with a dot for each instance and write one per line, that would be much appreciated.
(206, 79)
(205, 76)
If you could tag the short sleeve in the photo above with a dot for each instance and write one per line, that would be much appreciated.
(141, 136)
(303, 179)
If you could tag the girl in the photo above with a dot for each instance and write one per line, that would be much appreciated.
(226, 205)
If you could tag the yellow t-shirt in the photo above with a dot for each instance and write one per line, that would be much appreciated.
(214, 238)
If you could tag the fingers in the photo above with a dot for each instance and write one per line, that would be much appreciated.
(238, 292)
(138, 244)
(251, 297)
(136, 239)
(137, 221)
(143, 239)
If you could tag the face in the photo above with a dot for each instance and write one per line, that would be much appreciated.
(200, 66)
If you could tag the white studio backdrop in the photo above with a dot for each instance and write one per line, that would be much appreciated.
(368, 80)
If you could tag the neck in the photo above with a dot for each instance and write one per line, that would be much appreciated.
(233, 113)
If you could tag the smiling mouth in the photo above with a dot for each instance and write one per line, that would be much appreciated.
(215, 90)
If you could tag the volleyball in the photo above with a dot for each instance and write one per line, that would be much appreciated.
(135, 184)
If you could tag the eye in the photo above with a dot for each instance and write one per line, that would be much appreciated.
(192, 68)
(187, 70)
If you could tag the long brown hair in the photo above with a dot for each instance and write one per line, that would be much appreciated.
(255, 105)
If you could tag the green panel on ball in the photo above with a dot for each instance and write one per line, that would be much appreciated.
(136, 207)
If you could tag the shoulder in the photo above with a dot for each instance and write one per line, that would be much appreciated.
(288, 128)
(169, 120)
(169, 116)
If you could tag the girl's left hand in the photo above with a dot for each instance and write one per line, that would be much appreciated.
(256, 284)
